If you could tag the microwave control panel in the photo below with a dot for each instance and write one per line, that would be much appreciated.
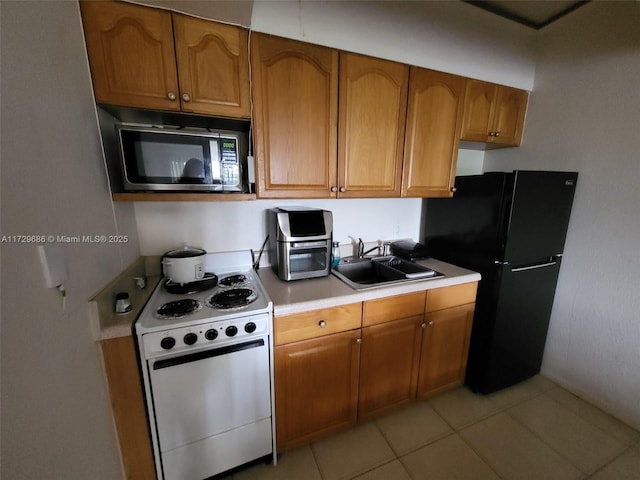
(230, 162)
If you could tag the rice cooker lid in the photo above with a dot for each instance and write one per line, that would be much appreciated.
(185, 252)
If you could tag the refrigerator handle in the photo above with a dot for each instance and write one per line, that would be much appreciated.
(533, 267)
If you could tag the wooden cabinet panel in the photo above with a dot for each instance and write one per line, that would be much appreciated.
(316, 387)
(511, 107)
(213, 67)
(445, 347)
(389, 359)
(373, 103)
(317, 323)
(295, 96)
(133, 51)
(446, 297)
(493, 113)
(393, 308)
(131, 54)
(127, 403)
(433, 128)
(479, 106)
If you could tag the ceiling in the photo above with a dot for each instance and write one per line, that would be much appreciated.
(532, 13)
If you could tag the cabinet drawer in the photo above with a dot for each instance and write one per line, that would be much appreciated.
(446, 297)
(393, 308)
(317, 323)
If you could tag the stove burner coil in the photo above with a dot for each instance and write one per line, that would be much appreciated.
(233, 280)
(178, 308)
(234, 298)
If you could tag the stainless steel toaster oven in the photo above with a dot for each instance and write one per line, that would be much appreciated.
(300, 242)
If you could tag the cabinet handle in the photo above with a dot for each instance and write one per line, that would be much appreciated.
(492, 134)
(497, 134)
(322, 324)
(342, 189)
(186, 97)
(453, 189)
(334, 189)
(430, 323)
(171, 96)
(358, 340)
(423, 325)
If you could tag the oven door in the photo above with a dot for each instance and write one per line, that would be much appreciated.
(212, 408)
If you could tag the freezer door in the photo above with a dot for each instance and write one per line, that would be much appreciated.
(510, 325)
(538, 215)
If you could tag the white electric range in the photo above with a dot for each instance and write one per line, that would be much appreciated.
(206, 353)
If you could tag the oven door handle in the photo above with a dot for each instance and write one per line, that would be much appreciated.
(216, 352)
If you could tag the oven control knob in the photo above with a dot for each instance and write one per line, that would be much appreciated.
(231, 331)
(211, 334)
(190, 338)
(168, 343)
(250, 327)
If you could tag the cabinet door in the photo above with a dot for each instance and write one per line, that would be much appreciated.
(213, 67)
(445, 347)
(373, 105)
(511, 106)
(433, 128)
(479, 106)
(127, 403)
(316, 387)
(295, 96)
(389, 365)
(131, 55)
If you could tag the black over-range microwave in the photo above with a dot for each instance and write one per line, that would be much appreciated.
(182, 159)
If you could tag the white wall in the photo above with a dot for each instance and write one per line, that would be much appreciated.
(448, 36)
(56, 417)
(222, 226)
(583, 115)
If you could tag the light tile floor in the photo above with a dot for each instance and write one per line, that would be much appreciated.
(534, 430)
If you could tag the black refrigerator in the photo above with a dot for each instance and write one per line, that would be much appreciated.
(511, 228)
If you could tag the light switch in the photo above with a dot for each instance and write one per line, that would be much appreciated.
(53, 264)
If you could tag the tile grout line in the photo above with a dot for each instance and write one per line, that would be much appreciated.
(587, 474)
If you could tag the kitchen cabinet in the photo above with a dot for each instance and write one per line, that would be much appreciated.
(372, 106)
(434, 120)
(316, 365)
(445, 344)
(295, 97)
(390, 351)
(493, 113)
(127, 403)
(151, 58)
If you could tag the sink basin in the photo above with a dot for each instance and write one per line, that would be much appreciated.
(381, 271)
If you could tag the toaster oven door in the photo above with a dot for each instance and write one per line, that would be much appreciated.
(299, 260)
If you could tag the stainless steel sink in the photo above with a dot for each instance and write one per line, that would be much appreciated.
(381, 271)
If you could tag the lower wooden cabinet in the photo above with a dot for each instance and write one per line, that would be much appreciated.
(340, 365)
(445, 347)
(316, 387)
(389, 365)
(127, 403)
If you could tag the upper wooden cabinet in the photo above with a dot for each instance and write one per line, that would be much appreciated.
(493, 113)
(433, 127)
(373, 103)
(133, 50)
(295, 92)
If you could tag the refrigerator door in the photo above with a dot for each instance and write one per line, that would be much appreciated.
(537, 215)
(472, 221)
(510, 325)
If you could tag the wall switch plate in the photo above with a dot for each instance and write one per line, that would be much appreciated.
(53, 264)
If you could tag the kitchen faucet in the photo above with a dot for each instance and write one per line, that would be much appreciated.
(361, 252)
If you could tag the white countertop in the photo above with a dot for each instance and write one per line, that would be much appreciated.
(314, 293)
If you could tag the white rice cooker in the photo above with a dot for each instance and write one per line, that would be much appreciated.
(184, 265)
